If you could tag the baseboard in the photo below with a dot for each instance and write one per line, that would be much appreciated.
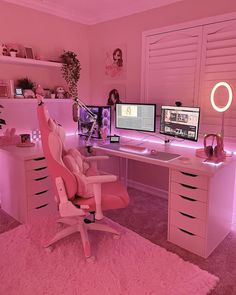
(148, 189)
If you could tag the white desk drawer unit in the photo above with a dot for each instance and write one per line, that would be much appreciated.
(188, 196)
(38, 186)
(26, 189)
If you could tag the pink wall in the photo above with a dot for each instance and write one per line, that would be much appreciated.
(48, 35)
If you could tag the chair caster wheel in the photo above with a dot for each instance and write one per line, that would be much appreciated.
(116, 237)
(49, 249)
(90, 259)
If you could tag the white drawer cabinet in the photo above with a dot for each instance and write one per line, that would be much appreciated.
(200, 209)
(26, 186)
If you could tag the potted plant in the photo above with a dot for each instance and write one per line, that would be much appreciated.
(71, 72)
(27, 85)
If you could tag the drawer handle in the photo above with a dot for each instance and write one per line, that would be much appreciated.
(41, 168)
(188, 174)
(186, 232)
(188, 186)
(187, 198)
(39, 159)
(39, 207)
(42, 192)
(41, 178)
(187, 215)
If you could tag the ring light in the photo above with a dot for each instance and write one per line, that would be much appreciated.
(230, 96)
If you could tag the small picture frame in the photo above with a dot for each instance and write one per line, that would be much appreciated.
(29, 53)
(19, 92)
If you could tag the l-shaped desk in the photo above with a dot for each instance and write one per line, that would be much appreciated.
(200, 197)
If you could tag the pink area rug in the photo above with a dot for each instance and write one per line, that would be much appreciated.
(131, 265)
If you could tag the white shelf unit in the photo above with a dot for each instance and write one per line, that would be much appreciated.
(28, 61)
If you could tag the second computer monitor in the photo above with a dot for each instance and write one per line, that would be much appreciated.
(136, 116)
(181, 122)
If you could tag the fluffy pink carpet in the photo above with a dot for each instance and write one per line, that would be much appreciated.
(131, 265)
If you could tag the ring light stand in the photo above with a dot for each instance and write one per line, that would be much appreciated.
(217, 154)
(225, 108)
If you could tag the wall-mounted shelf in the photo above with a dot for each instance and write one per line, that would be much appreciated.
(28, 61)
(46, 100)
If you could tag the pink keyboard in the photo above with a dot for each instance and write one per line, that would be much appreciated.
(133, 148)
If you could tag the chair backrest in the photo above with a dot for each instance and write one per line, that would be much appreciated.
(52, 138)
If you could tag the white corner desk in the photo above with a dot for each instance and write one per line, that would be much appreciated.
(200, 197)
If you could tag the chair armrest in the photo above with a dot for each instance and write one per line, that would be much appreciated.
(96, 179)
(97, 182)
(96, 158)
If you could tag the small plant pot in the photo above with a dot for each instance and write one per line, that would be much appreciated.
(53, 95)
(12, 53)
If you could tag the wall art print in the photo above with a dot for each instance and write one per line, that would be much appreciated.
(115, 62)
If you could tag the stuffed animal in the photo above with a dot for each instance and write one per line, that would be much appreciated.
(3, 49)
(60, 92)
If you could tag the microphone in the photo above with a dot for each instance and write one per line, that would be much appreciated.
(75, 112)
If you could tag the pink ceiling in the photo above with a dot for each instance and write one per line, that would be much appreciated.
(92, 11)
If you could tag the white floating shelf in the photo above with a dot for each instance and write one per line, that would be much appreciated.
(28, 61)
(46, 100)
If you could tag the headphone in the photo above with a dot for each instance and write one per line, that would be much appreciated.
(216, 151)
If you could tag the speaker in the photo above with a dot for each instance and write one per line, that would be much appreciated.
(215, 149)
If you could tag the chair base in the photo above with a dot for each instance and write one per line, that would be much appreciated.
(77, 224)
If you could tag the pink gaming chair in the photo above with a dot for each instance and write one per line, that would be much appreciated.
(79, 189)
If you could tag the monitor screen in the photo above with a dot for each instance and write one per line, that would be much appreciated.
(103, 114)
(140, 116)
(181, 122)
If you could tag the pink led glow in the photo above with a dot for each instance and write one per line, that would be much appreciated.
(161, 142)
(212, 163)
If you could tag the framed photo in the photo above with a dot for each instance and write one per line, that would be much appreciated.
(29, 53)
(6, 88)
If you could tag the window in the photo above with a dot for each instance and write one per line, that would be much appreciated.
(184, 62)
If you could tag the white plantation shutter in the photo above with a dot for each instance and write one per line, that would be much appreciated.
(171, 67)
(218, 64)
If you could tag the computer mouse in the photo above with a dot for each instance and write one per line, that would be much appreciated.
(153, 152)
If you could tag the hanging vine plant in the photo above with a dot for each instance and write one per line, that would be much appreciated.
(71, 72)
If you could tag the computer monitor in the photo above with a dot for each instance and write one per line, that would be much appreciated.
(103, 114)
(181, 122)
(136, 116)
